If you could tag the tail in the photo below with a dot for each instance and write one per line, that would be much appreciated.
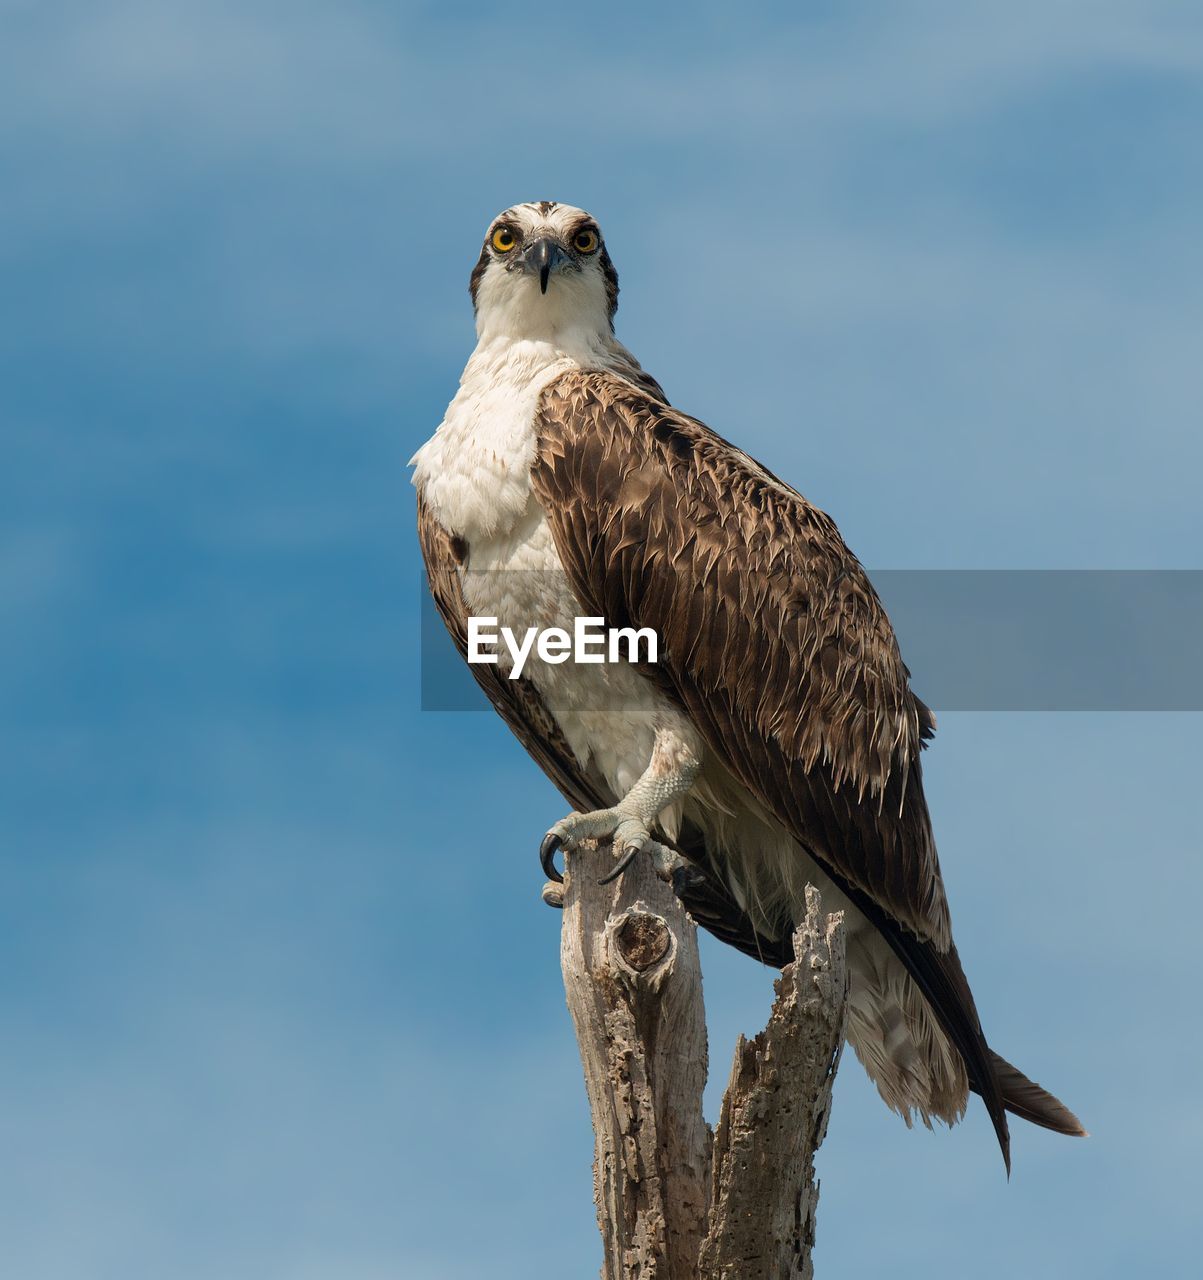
(938, 976)
(1024, 1098)
(1002, 1087)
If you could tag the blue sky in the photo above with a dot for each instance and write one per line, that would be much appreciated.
(279, 999)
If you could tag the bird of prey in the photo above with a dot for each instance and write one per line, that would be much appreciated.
(775, 741)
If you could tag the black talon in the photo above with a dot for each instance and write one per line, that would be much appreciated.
(547, 856)
(628, 856)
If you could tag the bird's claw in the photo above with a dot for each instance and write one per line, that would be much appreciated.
(547, 856)
(628, 856)
(627, 834)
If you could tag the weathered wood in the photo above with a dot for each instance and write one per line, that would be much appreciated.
(631, 973)
(673, 1203)
(774, 1117)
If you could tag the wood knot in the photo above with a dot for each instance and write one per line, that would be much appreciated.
(642, 940)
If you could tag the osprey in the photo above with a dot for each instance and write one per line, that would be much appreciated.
(776, 740)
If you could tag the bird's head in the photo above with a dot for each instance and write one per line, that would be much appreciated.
(544, 270)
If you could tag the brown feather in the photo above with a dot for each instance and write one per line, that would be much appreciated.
(699, 886)
(795, 681)
(796, 667)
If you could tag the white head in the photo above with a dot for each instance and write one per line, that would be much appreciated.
(544, 272)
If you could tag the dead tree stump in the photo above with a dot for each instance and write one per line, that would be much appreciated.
(674, 1201)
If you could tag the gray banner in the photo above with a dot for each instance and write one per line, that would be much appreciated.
(994, 640)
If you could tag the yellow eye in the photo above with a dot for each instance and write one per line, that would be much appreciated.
(503, 240)
(585, 241)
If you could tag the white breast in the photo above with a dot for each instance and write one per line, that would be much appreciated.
(474, 473)
(475, 470)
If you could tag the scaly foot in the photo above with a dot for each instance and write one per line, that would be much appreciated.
(668, 777)
(622, 826)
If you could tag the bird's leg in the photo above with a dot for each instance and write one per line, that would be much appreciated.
(669, 776)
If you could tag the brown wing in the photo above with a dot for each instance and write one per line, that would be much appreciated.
(776, 645)
(700, 888)
(771, 636)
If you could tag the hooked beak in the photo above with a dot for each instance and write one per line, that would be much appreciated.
(542, 257)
